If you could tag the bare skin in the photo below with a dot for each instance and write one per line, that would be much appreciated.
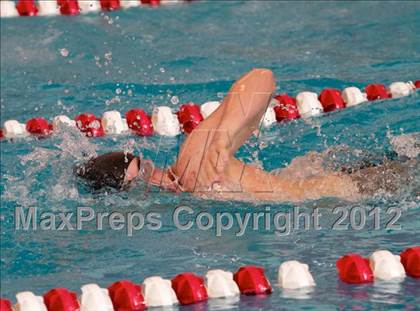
(206, 165)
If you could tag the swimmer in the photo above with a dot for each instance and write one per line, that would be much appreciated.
(206, 165)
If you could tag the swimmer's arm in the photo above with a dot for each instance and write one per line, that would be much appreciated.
(206, 151)
(268, 187)
(245, 105)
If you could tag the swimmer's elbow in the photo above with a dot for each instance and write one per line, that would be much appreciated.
(266, 75)
(263, 71)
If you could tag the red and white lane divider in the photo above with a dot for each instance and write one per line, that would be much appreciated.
(189, 288)
(381, 265)
(9, 8)
(165, 122)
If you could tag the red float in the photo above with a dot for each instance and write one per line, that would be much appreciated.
(151, 2)
(377, 91)
(39, 126)
(417, 84)
(410, 259)
(110, 5)
(189, 116)
(139, 122)
(331, 100)
(69, 7)
(286, 109)
(89, 124)
(189, 288)
(61, 299)
(126, 296)
(5, 305)
(1, 134)
(354, 269)
(252, 281)
(26, 8)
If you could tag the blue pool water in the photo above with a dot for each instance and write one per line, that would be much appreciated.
(147, 57)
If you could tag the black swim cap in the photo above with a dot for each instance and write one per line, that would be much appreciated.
(107, 170)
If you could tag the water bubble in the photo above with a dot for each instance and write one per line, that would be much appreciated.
(64, 52)
(114, 100)
(174, 100)
(97, 61)
(162, 70)
(263, 145)
(108, 56)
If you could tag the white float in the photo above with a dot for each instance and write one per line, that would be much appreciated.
(165, 122)
(294, 274)
(308, 104)
(158, 292)
(87, 6)
(169, 2)
(129, 3)
(352, 96)
(401, 89)
(220, 284)
(14, 129)
(62, 121)
(113, 123)
(125, 125)
(48, 8)
(8, 9)
(269, 117)
(208, 108)
(27, 301)
(386, 266)
(94, 298)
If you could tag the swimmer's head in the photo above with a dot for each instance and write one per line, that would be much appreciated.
(114, 169)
